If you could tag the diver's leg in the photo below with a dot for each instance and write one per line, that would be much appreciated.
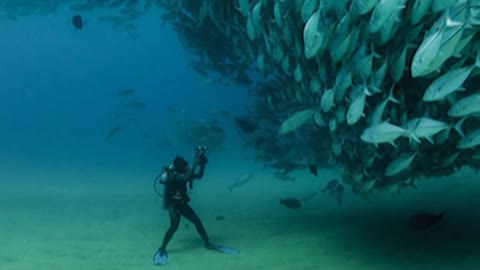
(190, 214)
(161, 257)
(174, 222)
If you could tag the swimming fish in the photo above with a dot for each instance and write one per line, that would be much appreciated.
(308, 196)
(425, 127)
(377, 114)
(419, 9)
(384, 11)
(424, 221)
(135, 104)
(450, 82)
(284, 176)
(295, 121)
(364, 6)
(399, 164)
(356, 108)
(335, 190)
(125, 92)
(113, 131)
(77, 22)
(313, 169)
(337, 193)
(313, 36)
(465, 106)
(240, 181)
(331, 185)
(385, 133)
(471, 140)
(245, 124)
(291, 203)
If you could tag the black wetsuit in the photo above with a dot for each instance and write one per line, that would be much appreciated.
(176, 201)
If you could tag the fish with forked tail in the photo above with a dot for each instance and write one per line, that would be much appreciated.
(285, 177)
(77, 22)
(291, 203)
(332, 184)
(135, 104)
(114, 131)
(125, 92)
(334, 189)
(424, 221)
(240, 181)
(313, 169)
(295, 203)
(245, 124)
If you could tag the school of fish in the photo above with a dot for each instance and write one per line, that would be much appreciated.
(385, 91)
(390, 86)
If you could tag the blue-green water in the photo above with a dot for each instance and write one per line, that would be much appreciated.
(57, 86)
(71, 199)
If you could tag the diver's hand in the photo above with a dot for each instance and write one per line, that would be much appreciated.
(202, 160)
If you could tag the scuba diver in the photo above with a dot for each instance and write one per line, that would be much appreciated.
(175, 198)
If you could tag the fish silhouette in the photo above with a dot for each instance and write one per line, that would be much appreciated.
(113, 131)
(424, 221)
(125, 92)
(240, 181)
(77, 22)
(313, 169)
(245, 124)
(291, 203)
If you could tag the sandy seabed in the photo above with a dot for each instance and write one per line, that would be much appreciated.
(113, 220)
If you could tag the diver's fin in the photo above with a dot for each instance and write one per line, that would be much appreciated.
(222, 249)
(160, 258)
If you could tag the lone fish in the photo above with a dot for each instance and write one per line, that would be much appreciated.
(125, 92)
(291, 203)
(424, 221)
(77, 22)
(313, 169)
(135, 104)
(240, 181)
(245, 124)
(295, 121)
(113, 131)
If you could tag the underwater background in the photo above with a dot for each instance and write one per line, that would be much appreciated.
(72, 198)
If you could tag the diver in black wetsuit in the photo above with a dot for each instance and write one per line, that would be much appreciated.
(175, 178)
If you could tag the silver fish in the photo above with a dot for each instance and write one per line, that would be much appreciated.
(296, 120)
(364, 6)
(397, 64)
(385, 133)
(449, 82)
(452, 33)
(240, 181)
(399, 164)
(383, 10)
(114, 131)
(472, 139)
(439, 5)
(377, 114)
(356, 108)
(313, 36)
(419, 10)
(466, 106)
(327, 101)
(425, 127)
(308, 7)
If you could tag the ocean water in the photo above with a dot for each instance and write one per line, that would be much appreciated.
(72, 199)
